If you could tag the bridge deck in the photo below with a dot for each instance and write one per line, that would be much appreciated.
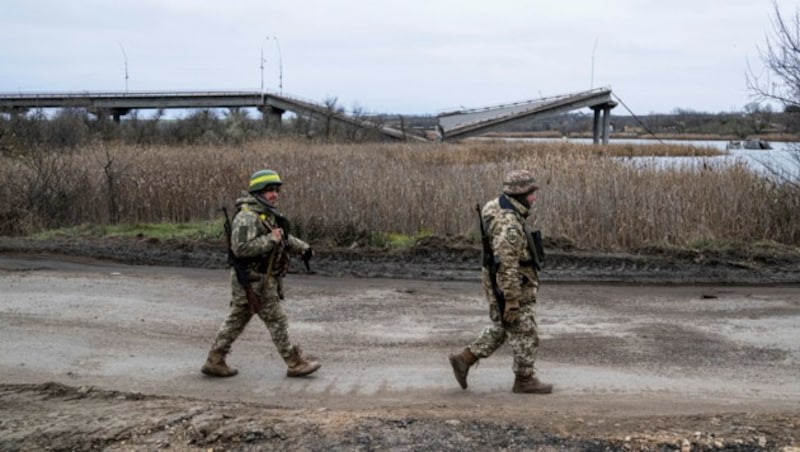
(120, 103)
(465, 123)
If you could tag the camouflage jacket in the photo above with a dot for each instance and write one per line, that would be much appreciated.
(251, 236)
(516, 277)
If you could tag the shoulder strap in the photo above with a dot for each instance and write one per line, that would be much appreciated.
(505, 204)
(246, 208)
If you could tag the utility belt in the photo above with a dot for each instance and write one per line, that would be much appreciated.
(260, 265)
(532, 263)
(534, 247)
(259, 262)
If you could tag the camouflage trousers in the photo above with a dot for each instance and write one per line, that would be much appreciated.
(522, 336)
(271, 313)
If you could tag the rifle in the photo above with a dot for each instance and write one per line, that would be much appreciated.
(307, 259)
(535, 247)
(284, 224)
(539, 247)
(240, 267)
(488, 261)
(278, 254)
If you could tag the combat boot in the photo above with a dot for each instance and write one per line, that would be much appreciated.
(215, 365)
(531, 385)
(297, 364)
(461, 363)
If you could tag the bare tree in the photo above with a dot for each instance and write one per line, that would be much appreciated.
(114, 168)
(781, 58)
(781, 81)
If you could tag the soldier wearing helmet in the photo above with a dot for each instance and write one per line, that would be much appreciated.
(515, 259)
(259, 243)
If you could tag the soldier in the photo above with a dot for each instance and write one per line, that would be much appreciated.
(514, 257)
(259, 246)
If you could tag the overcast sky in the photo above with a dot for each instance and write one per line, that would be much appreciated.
(401, 57)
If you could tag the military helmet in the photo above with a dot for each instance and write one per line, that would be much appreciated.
(519, 182)
(263, 178)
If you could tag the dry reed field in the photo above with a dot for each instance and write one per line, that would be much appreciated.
(343, 192)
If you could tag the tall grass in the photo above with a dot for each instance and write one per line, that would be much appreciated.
(346, 192)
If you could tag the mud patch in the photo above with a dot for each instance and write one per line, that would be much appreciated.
(39, 417)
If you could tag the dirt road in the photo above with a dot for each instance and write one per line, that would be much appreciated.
(98, 354)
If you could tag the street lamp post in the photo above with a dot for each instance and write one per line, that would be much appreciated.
(261, 65)
(280, 63)
(125, 56)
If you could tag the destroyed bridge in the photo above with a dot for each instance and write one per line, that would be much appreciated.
(454, 125)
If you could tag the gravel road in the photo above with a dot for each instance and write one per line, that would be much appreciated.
(102, 354)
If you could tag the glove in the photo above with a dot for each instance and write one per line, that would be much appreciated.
(511, 313)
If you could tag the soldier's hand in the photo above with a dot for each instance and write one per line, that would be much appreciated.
(511, 313)
(277, 235)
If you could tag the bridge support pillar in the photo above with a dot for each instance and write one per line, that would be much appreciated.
(273, 117)
(602, 126)
(596, 126)
(116, 114)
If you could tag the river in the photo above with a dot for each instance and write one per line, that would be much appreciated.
(781, 162)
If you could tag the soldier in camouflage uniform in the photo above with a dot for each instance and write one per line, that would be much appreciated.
(257, 240)
(518, 281)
